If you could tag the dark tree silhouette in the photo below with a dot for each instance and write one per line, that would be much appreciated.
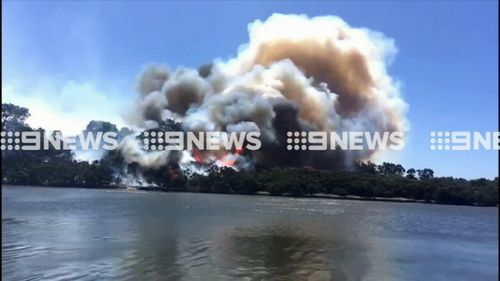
(425, 174)
(13, 116)
(411, 173)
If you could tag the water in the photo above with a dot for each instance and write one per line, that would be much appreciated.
(82, 234)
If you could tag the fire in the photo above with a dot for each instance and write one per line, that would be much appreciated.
(198, 155)
(229, 159)
(224, 159)
(295, 72)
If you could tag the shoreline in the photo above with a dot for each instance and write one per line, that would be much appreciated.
(260, 193)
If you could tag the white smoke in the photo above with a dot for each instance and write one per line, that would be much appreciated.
(295, 73)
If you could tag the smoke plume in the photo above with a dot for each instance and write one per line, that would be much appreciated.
(295, 74)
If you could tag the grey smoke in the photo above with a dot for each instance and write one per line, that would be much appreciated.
(295, 74)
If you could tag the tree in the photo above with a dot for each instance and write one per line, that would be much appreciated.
(399, 171)
(367, 167)
(411, 173)
(100, 126)
(13, 116)
(391, 170)
(425, 174)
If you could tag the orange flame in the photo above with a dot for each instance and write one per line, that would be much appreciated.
(198, 155)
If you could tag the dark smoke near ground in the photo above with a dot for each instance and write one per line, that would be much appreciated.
(295, 74)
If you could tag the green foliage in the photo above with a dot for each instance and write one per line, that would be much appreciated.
(52, 170)
(13, 116)
(48, 167)
(425, 174)
(391, 170)
(56, 168)
(304, 182)
(411, 173)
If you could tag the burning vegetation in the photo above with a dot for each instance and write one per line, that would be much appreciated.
(295, 74)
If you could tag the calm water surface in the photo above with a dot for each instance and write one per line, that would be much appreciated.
(81, 234)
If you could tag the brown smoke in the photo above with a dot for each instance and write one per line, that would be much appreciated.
(295, 74)
(346, 74)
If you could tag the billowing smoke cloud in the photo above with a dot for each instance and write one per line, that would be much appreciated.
(295, 74)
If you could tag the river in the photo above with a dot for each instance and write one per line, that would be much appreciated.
(90, 234)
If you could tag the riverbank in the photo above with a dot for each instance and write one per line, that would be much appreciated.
(259, 193)
(316, 195)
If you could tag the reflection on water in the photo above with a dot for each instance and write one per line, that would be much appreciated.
(282, 252)
(61, 234)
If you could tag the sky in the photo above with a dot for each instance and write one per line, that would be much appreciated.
(72, 62)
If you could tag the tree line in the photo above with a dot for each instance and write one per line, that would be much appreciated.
(365, 179)
(372, 184)
(49, 167)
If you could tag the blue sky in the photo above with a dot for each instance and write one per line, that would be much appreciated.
(71, 62)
